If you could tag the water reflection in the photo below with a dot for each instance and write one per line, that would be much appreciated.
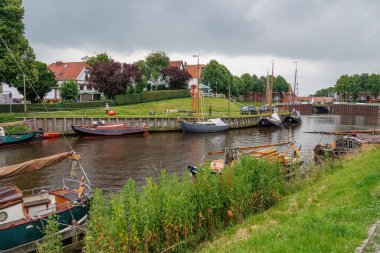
(109, 162)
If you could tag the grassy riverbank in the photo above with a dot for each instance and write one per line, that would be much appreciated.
(332, 214)
(144, 110)
(324, 209)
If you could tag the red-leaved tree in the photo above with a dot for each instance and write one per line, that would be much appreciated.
(176, 78)
(113, 78)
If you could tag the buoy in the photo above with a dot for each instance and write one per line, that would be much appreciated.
(111, 113)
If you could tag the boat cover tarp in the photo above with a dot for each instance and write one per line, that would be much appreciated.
(32, 165)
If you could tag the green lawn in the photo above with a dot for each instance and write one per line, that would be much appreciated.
(219, 109)
(333, 214)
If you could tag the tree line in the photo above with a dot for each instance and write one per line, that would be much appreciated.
(353, 85)
(107, 75)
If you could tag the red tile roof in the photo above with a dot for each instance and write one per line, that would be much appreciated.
(193, 69)
(176, 64)
(321, 100)
(67, 71)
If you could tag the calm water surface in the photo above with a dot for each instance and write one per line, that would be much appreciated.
(110, 161)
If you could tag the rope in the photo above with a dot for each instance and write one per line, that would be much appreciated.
(26, 77)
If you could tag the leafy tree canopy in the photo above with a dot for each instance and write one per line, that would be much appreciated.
(280, 85)
(113, 78)
(154, 63)
(217, 76)
(69, 91)
(40, 87)
(98, 58)
(358, 83)
(176, 78)
(328, 92)
(12, 32)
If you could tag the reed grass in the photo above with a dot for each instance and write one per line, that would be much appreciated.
(175, 214)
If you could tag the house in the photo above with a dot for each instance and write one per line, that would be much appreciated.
(77, 72)
(195, 74)
(178, 64)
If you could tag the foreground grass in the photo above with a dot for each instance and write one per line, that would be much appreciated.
(219, 109)
(333, 214)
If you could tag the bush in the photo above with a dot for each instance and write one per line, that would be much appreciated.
(150, 96)
(52, 239)
(69, 91)
(179, 213)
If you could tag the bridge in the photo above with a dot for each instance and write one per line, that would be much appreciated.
(333, 108)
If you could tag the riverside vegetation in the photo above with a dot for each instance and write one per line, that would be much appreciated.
(325, 208)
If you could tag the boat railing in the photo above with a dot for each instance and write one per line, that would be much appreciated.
(53, 208)
(79, 182)
(37, 190)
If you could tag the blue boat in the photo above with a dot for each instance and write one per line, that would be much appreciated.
(209, 126)
(15, 138)
(23, 214)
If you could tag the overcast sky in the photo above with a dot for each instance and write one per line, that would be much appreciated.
(326, 38)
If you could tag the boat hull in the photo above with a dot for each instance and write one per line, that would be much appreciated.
(34, 230)
(52, 135)
(292, 120)
(17, 139)
(267, 122)
(86, 131)
(188, 127)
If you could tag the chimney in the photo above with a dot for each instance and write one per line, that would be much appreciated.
(59, 63)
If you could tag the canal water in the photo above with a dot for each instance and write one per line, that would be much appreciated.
(110, 161)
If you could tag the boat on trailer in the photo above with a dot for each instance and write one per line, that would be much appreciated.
(23, 214)
(111, 129)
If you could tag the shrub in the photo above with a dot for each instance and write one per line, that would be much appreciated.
(52, 239)
(178, 214)
(150, 96)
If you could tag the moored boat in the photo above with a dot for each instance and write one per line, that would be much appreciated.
(209, 126)
(52, 134)
(270, 121)
(293, 119)
(110, 129)
(23, 214)
(16, 138)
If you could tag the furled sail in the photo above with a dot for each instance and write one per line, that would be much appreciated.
(32, 165)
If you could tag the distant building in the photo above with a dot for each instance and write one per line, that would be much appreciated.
(77, 72)
(193, 71)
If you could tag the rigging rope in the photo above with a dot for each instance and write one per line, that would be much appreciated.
(26, 77)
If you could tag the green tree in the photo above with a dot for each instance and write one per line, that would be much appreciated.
(140, 86)
(374, 84)
(238, 86)
(154, 63)
(217, 76)
(280, 85)
(98, 58)
(44, 83)
(52, 239)
(12, 33)
(248, 83)
(342, 86)
(69, 91)
(327, 92)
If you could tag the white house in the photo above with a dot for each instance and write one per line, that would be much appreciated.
(73, 71)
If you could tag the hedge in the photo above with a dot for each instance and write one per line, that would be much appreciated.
(150, 96)
(51, 107)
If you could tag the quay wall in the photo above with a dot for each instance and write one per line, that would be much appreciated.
(155, 124)
(366, 109)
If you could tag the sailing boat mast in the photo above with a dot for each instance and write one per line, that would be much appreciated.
(295, 85)
(198, 84)
(270, 89)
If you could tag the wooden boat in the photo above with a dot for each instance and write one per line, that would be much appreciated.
(52, 134)
(266, 151)
(270, 121)
(209, 126)
(23, 214)
(15, 138)
(294, 118)
(111, 129)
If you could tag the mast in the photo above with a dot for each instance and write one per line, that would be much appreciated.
(24, 93)
(199, 93)
(295, 85)
(270, 90)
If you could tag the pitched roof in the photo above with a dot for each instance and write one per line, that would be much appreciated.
(67, 71)
(320, 100)
(176, 64)
(193, 69)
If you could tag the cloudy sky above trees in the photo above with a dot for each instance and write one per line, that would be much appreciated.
(327, 38)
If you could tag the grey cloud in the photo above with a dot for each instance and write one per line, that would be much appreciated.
(322, 30)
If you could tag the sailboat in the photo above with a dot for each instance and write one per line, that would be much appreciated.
(214, 125)
(23, 214)
(274, 119)
(295, 116)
